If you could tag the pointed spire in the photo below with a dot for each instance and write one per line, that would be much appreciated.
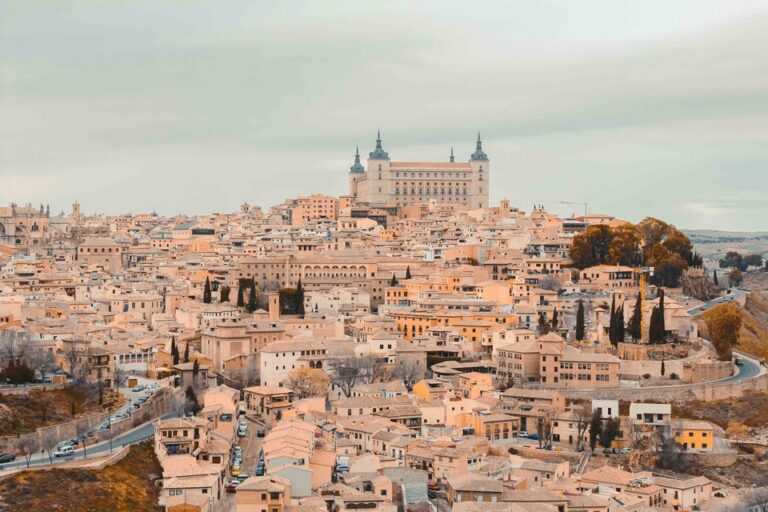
(357, 167)
(479, 154)
(452, 159)
(379, 152)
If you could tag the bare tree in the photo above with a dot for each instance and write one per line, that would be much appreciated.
(48, 442)
(348, 373)
(583, 417)
(27, 446)
(544, 429)
(307, 382)
(408, 371)
(120, 376)
(549, 282)
(81, 430)
(14, 346)
(41, 361)
(73, 356)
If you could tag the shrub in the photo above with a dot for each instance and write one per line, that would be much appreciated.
(674, 376)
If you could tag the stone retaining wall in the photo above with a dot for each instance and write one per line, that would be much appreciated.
(158, 404)
(705, 391)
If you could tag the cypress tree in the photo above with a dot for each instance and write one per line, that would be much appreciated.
(186, 353)
(240, 294)
(580, 321)
(636, 322)
(554, 319)
(252, 301)
(393, 281)
(620, 327)
(714, 278)
(300, 298)
(174, 352)
(543, 324)
(663, 369)
(612, 323)
(653, 328)
(207, 291)
(662, 323)
(408, 272)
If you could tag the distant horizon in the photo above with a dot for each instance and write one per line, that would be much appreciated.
(641, 109)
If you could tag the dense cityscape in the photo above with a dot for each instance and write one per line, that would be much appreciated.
(434, 256)
(406, 346)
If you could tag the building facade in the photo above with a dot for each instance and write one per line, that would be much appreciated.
(385, 183)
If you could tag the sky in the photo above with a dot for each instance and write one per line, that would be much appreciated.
(651, 108)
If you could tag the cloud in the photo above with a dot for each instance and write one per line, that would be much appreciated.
(196, 108)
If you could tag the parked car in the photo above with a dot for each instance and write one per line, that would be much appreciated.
(64, 451)
(260, 432)
(235, 470)
(142, 400)
(6, 457)
(241, 432)
(260, 470)
(64, 444)
(243, 477)
(431, 495)
(232, 485)
(139, 388)
(522, 433)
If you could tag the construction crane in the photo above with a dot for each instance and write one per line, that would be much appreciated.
(580, 203)
(584, 204)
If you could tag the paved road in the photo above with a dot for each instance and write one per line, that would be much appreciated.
(143, 431)
(735, 293)
(139, 433)
(750, 367)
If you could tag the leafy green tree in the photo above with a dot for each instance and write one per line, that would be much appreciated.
(610, 431)
(723, 326)
(224, 294)
(580, 321)
(736, 277)
(207, 291)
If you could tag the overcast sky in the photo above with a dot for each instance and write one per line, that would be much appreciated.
(640, 108)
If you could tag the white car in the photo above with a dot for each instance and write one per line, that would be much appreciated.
(64, 451)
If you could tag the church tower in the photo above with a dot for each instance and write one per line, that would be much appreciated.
(378, 187)
(480, 176)
(356, 173)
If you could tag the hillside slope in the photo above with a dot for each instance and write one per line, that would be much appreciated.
(753, 336)
(127, 486)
